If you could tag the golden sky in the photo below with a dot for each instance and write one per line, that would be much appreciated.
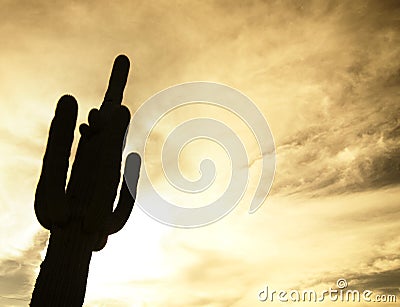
(326, 76)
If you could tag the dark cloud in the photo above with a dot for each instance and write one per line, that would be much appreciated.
(355, 144)
(387, 282)
(381, 282)
(318, 166)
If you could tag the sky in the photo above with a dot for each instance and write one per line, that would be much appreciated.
(325, 75)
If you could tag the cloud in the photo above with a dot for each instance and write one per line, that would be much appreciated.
(17, 274)
(354, 145)
(325, 75)
(385, 282)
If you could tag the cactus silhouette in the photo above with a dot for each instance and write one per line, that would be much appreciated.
(80, 216)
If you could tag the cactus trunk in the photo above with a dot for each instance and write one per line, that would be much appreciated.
(64, 271)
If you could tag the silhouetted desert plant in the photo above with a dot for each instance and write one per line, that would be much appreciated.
(80, 216)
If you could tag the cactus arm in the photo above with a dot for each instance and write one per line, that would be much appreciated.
(119, 217)
(117, 220)
(40, 205)
(50, 200)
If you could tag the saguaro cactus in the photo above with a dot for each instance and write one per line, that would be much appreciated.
(81, 216)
